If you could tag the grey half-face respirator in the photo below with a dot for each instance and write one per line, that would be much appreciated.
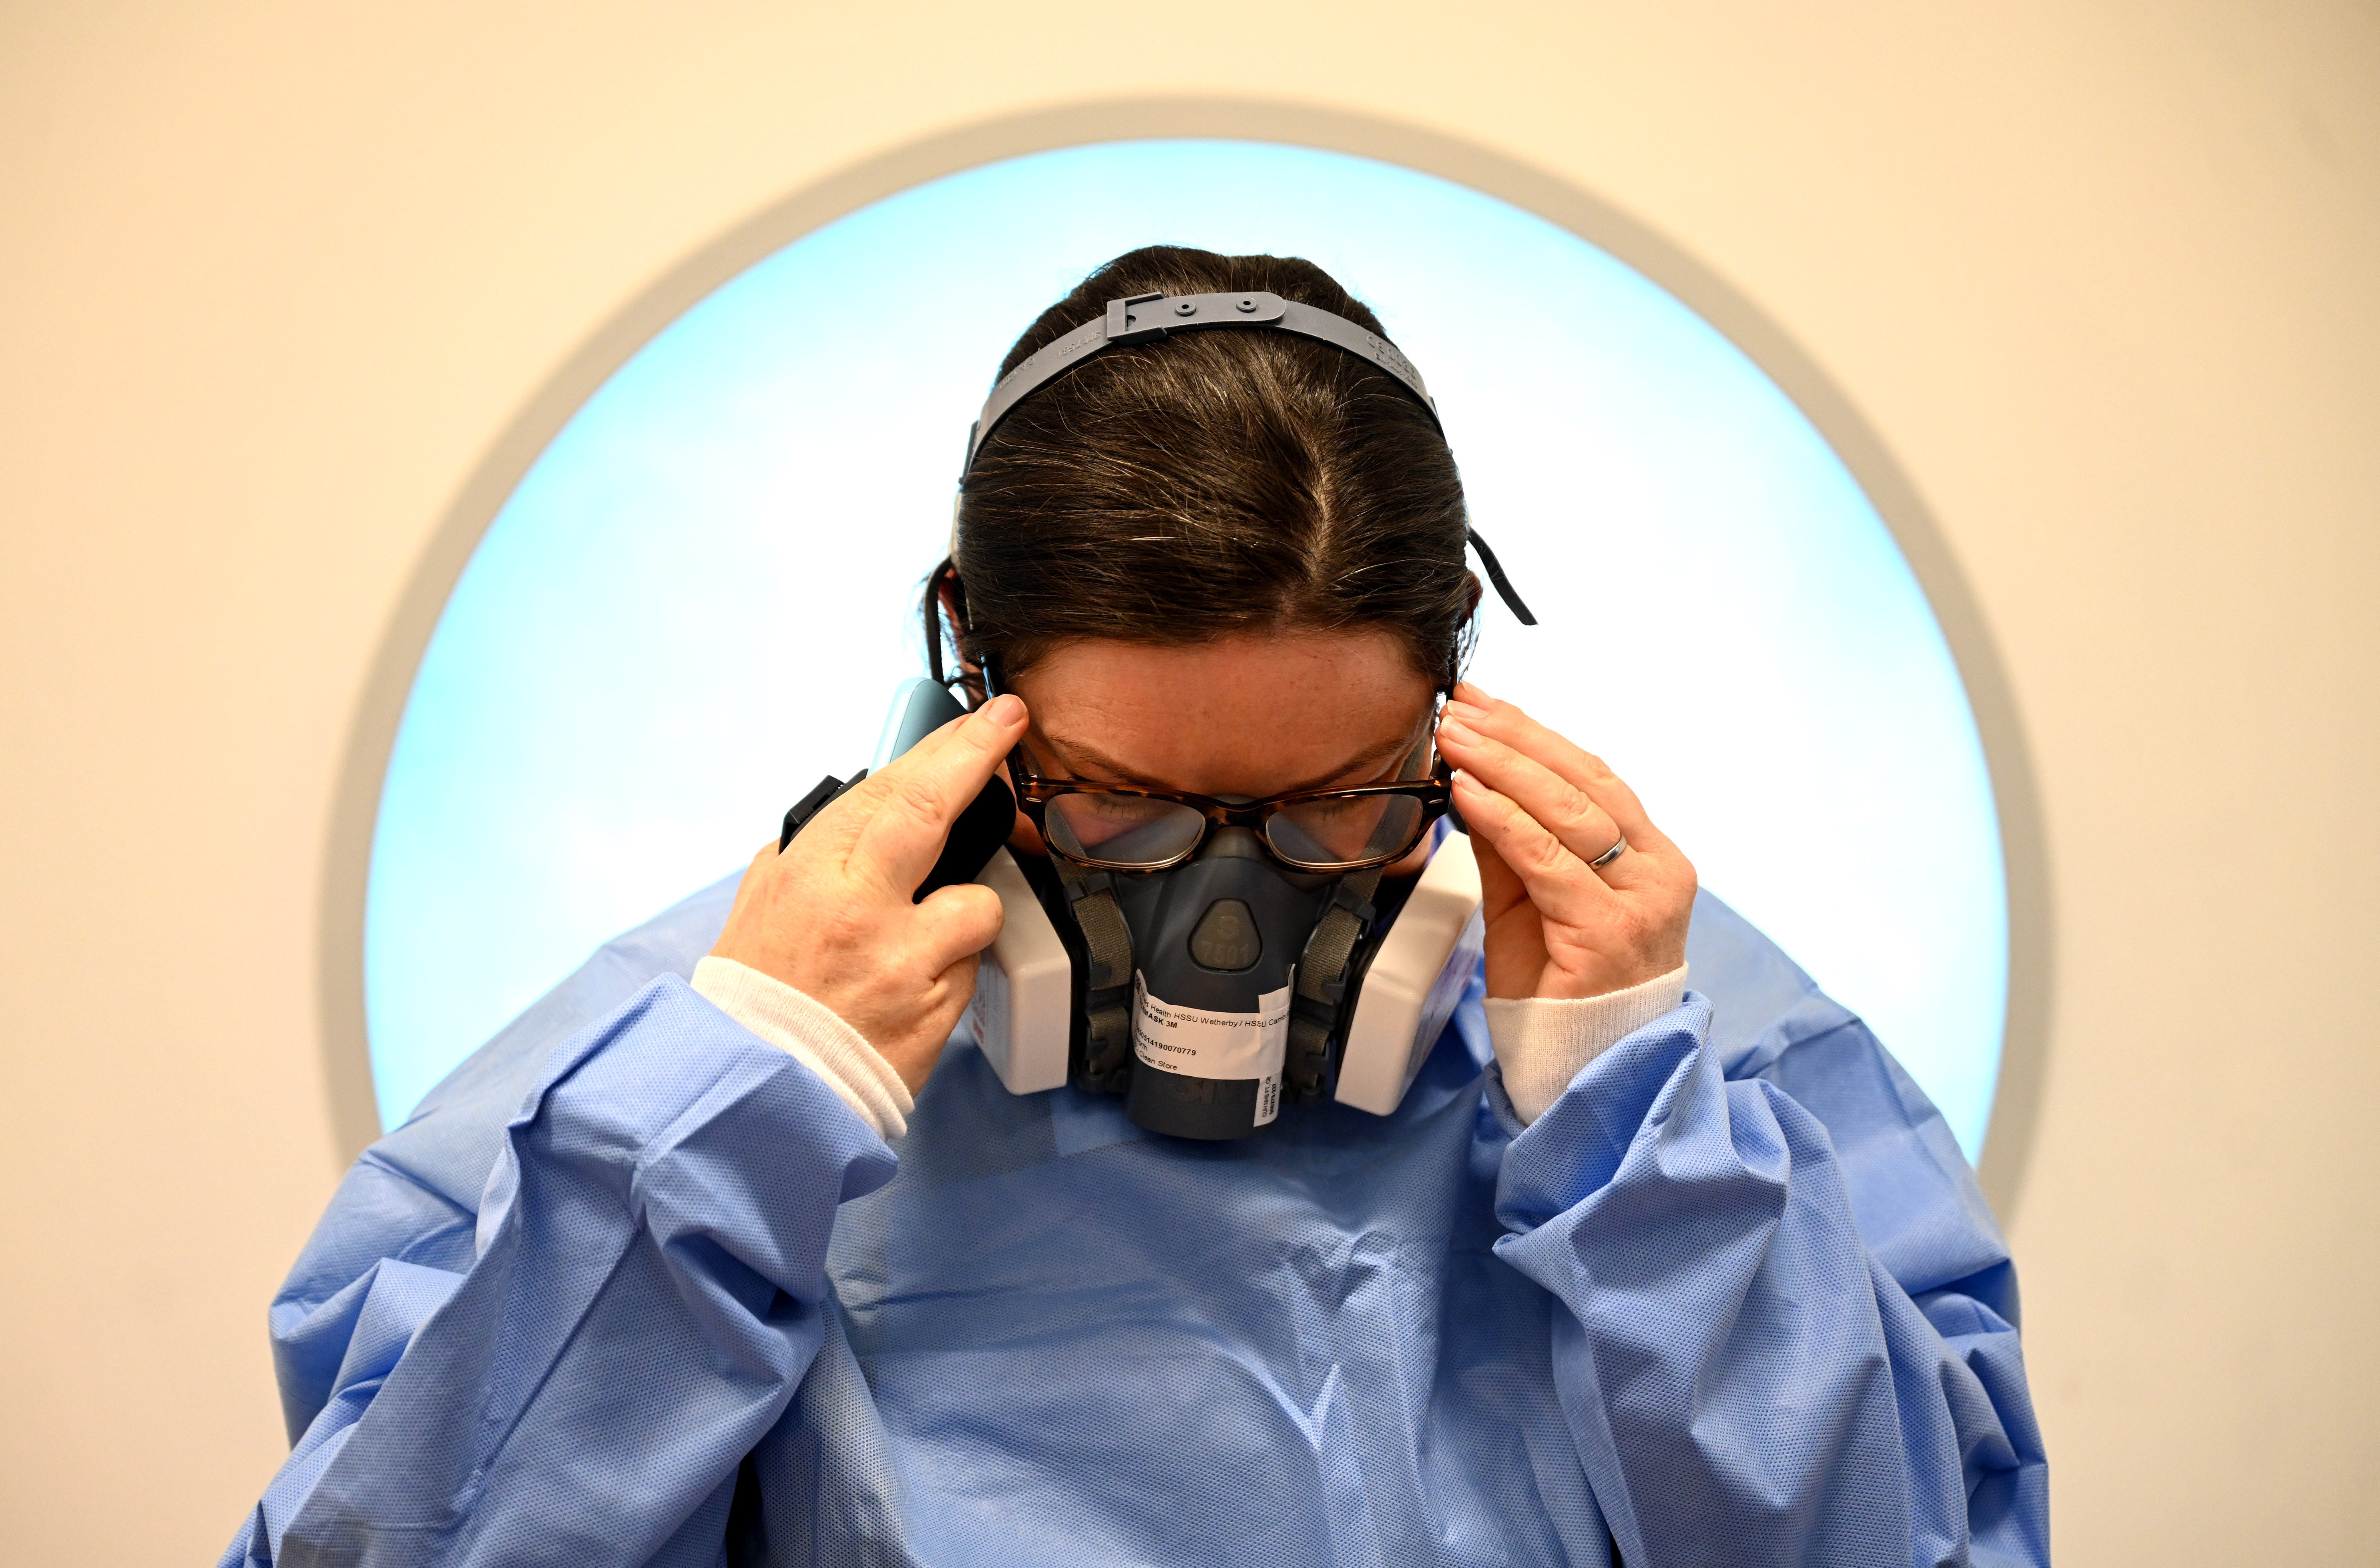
(1212, 990)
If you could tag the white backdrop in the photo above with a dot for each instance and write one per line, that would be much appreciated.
(699, 598)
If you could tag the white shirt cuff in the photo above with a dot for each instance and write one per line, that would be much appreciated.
(1542, 1043)
(813, 1034)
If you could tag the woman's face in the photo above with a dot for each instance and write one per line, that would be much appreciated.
(1247, 716)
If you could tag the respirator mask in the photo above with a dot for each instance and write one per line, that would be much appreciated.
(1209, 959)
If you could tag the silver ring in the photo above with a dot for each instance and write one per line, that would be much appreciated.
(1608, 856)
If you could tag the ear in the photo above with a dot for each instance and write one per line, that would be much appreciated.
(948, 594)
(944, 616)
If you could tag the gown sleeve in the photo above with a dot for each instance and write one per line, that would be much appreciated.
(568, 1365)
(1786, 1322)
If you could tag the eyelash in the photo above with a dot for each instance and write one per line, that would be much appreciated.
(1387, 774)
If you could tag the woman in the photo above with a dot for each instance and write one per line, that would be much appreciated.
(1630, 1272)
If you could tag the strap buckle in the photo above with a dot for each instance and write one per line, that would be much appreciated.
(1354, 903)
(1147, 316)
(1123, 324)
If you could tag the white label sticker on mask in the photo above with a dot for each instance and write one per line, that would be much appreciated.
(1192, 1040)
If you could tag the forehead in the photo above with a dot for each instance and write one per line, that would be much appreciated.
(1240, 715)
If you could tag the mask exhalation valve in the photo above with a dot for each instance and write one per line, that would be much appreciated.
(1227, 938)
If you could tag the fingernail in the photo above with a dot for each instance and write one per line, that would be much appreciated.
(1475, 689)
(1004, 710)
(1458, 732)
(1464, 711)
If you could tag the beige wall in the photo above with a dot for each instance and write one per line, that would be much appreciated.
(277, 281)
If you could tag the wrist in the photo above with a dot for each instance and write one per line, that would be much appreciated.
(814, 1034)
(1544, 1042)
(1559, 985)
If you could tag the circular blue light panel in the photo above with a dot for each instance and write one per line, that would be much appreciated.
(701, 595)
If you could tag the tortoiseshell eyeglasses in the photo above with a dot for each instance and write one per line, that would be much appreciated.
(1129, 828)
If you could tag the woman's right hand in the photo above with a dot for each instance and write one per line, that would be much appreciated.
(832, 918)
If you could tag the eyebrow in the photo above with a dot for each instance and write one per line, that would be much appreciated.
(1078, 754)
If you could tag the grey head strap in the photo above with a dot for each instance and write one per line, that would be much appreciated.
(1145, 317)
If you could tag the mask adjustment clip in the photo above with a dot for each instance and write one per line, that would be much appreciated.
(1358, 904)
(1322, 976)
(828, 790)
(1107, 982)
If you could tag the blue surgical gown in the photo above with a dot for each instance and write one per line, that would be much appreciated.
(634, 1287)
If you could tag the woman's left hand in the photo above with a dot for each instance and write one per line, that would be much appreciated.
(1539, 809)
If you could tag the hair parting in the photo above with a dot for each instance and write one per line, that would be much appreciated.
(1203, 486)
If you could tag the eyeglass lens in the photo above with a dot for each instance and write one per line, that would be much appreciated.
(1123, 829)
(1132, 830)
(1335, 832)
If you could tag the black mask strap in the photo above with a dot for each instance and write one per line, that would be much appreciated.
(1318, 1011)
(1503, 584)
(1106, 999)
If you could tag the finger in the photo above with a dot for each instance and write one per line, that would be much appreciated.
(1508, 722)
(918, 795)
(957, 922)
(1562, 808)
(914, 1051)
(954, 988)
(1557, 881)
(1515, 936)
(950, 992)
(1500, 885)
(944, 998)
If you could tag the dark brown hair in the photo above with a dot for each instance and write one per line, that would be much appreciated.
(1182, 489)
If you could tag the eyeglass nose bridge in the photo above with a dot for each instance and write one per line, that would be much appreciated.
(1241, 813)
(1232, 841)
(1234, 830)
